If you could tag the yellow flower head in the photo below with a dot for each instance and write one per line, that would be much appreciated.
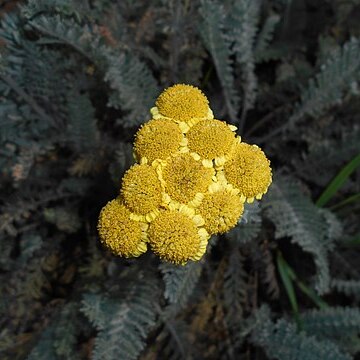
(141, 190)
(119, 233)
(221, 209)
(192, 180)
(184, 178)
(249, 171)
(176, 238)
(211, 139)
(182, 103)
(157, 139)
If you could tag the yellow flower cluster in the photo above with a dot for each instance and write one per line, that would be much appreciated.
(191, 180)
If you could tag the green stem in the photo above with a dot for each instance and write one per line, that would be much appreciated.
(288, 284)
(338, 181)
(349, 200)
(289, 277)
(305, 289)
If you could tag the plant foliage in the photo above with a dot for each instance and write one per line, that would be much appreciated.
(295, 216)
(281, 340)
(77, 79)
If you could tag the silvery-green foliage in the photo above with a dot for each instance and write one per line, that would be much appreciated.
(281, 340)
(249, 225)
(180, 282)
(265, 36)
(131, 80)
(58, 339)
(332, 322)
(242, 27)
(211, 29)
(296, 217)
(123, 325)
(328, 87)
(348, 287)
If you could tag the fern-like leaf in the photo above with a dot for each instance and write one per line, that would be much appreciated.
(44, 349)
(347, 287)
(211, 30)
(249, 226)
(295, 216)
(235, 286)
(123, 326)
(328, 86)
(282, 341)
(334, 322)
(180, 282)
(58, 30)
(235, 292)
(58, 340)
(242, 28)
(263, 262)
(327, 156)
(82, 128)
(98, 309)
(173, 337)
(34, 8)
(135, 88)
(265, 36)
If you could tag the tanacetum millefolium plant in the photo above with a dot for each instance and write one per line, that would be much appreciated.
(191, 181)
(134, 224)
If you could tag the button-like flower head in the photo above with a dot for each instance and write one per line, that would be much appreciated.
(249, 171)
(184, 178)
(141, 190)
(176, 237)
(157, 139)
(221, 209)
(119, 233)
(182, 103)
(211, 140)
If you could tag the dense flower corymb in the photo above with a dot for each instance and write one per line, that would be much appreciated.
(192, 178)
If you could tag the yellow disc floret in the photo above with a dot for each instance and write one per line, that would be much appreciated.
(182, 102)
(184, 178)
(157, 139)
(174, 237)
(141, 189)
(249, 171)
(118, 232)
(211, 139)
(221, 210)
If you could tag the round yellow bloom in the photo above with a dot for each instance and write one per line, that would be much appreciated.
(157, 139)
(249, 171)
(221, 210)
(141, 189)
(174, 237)
(182, 102)
(211, 139)
(184, 178)
(118, 232)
